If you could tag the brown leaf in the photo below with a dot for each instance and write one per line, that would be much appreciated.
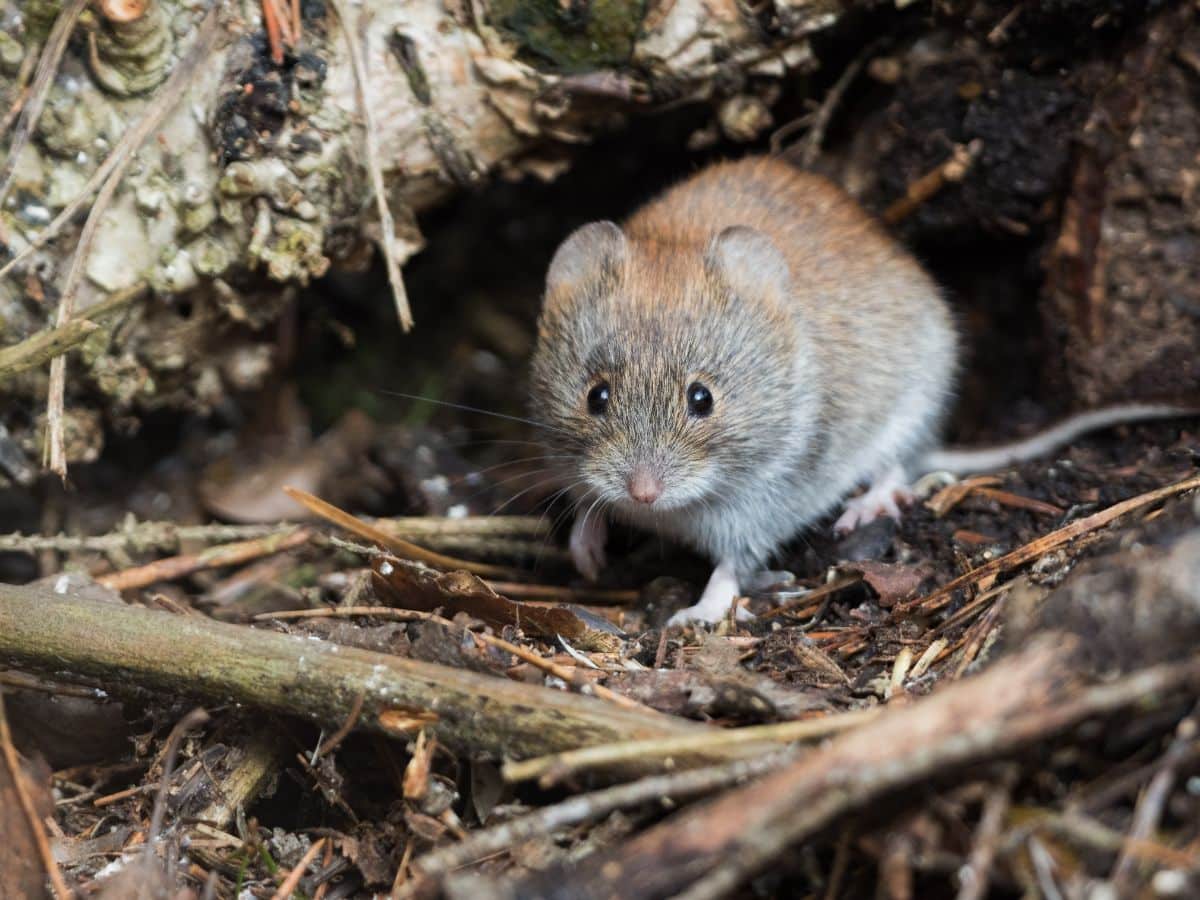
(373, 851)
(893, 582)
(416, 773)
(249, 487)
(409, 586)
(21, 872)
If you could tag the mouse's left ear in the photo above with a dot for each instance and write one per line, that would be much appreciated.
(748, 263)
(585, 260)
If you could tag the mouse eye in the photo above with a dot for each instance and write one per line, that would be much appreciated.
(700, 399)
(597, 399)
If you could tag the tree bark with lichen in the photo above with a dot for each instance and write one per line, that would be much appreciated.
(256, 182)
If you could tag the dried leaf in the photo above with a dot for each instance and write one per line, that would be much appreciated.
(21, 872)
(488, 788)
(416, 773)
(249, 487)
(893, 582)
(408, 586)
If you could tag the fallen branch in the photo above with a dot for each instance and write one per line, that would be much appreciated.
(193, 656)
(407, 615)
(707, 851)
(755, 738)
(590, 807)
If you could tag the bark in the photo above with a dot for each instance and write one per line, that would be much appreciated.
(189, 655)
(259, 174)
(1123, 289)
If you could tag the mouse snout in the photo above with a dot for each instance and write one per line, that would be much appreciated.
(644, 485)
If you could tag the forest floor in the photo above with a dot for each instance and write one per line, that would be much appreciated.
(1039, 781)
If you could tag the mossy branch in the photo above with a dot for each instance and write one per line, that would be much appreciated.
(191, 655)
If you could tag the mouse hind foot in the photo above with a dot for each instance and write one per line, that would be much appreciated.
(885, 496)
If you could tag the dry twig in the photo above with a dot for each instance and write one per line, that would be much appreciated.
(288, 885)
(19, 92)
(952, 170)
(387, 224)
(590, 807)
(45, 345)
(213, 558)
(120, 159)
(813, 139)
(672, 751)
(975, 874)
(35, 826)
(398, 546)
(1043, 545)
(1149, 809)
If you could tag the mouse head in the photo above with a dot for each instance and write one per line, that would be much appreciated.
(665, 374)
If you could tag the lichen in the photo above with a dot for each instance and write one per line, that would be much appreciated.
(571, 37)
(131, 58)
(38, 18)
(12, 52)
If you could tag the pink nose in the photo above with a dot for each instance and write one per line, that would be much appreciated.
(644, 486)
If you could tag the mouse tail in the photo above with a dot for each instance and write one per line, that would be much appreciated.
(986, 459)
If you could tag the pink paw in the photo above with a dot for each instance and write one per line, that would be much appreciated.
(588, 536)
(869, 506)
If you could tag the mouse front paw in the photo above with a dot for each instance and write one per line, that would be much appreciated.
(719, 594)
(701, 615)
(588, 536)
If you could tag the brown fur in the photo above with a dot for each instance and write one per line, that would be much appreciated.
(830, 355)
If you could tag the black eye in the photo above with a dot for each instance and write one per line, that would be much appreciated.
(597, 399)
(700, 399)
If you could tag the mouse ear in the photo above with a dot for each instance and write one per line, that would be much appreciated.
(589, 255)
(748, 262)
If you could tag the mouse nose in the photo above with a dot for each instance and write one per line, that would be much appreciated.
(643, 485)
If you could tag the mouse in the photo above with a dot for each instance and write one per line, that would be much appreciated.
(739, 357)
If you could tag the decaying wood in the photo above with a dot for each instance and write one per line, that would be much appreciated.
(194, 656)
(260, 167)
(1121, 298)
(1029, 697)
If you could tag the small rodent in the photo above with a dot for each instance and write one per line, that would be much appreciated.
(748, 350)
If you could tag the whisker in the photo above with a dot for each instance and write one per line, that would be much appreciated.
(472, 409)
(477, 442)
(522, 493)
(558, 519)
(517, 462)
